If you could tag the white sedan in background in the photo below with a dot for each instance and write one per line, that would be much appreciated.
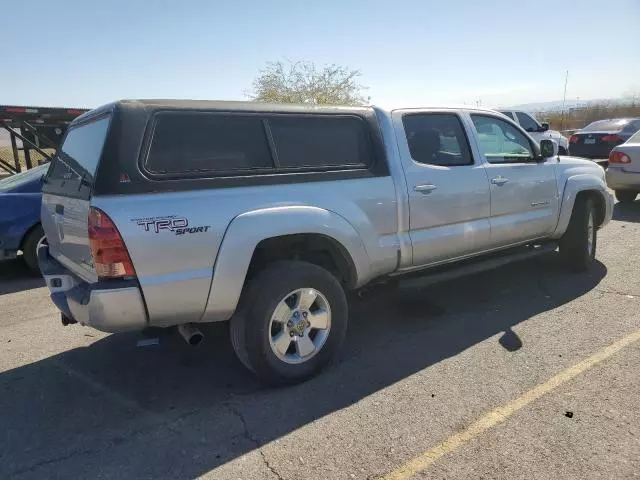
(623, 171)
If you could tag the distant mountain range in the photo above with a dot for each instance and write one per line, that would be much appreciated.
(556, 105)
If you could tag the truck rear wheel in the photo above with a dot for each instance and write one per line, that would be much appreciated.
(578, 244)
(291, 320)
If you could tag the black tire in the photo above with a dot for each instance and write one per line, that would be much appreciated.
(250, 333)
(626, 196)
(562, 151)
(30, 247)
(574, 244)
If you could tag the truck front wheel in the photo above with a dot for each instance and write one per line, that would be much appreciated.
(291, 320)
(578, 244)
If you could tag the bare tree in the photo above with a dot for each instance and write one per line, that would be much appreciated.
(303, 82)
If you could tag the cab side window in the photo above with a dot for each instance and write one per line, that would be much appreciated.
(501, 142)
(526, 122)
(437, 139)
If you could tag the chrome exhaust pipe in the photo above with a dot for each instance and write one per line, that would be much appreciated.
(191, 334)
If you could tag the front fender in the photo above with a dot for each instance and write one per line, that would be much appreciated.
(573, 186)
(247, 230)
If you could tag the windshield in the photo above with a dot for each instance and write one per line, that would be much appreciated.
(23, 178)
(612, 125)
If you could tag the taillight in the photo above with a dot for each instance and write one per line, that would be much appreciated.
(573, 139)
(110, 255)
(619, 157)
(611, 138)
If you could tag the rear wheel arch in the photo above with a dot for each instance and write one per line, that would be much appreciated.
(330, 234)
(315, 248)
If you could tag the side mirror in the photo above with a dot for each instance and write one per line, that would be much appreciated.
(548, 148)
(544, 127)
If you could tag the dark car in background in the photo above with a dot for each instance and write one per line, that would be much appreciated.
(597, 139)
(20, 229)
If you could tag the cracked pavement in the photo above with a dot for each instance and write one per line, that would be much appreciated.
(418, 365)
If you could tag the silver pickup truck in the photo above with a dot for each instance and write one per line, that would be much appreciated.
(162, 213)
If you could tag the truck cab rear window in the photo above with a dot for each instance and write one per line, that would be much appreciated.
(201, 142)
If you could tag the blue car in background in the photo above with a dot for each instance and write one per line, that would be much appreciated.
(20, 229)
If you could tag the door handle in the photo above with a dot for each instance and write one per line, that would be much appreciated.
(499, 181)
(539, 204)
(425, 189)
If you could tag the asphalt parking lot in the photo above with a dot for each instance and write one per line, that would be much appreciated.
(523, 372)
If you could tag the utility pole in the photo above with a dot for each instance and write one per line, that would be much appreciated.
(564, 98)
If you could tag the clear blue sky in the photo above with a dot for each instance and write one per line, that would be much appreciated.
(409, 52)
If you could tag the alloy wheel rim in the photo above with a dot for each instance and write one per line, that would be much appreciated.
(300, 325)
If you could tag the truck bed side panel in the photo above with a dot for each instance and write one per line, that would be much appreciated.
(174, 238)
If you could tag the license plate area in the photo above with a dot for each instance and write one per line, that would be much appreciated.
(589, 141)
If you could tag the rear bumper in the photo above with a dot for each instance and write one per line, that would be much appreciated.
(618, 179)
(109, 307)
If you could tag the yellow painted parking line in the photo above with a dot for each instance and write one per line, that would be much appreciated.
(500, 414)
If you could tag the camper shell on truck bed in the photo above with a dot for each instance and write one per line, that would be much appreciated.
(132, 125)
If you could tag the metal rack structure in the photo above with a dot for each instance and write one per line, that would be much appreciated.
(34, 132)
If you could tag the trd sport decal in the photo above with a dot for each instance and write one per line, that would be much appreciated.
(172, 223)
